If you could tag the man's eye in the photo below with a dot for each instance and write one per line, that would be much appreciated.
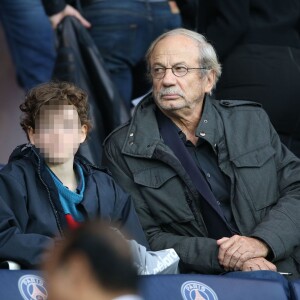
(158, 70)
(180, 68)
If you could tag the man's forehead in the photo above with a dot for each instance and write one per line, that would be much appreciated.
(175, 48)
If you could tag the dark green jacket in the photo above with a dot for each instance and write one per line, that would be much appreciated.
(265, 183)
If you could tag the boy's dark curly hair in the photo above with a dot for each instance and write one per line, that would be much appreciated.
(54, 92)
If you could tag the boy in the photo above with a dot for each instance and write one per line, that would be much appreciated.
(46, 187)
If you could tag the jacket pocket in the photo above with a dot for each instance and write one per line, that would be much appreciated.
(153, 177)
(255, 159)
(256, 176)
(164, 194)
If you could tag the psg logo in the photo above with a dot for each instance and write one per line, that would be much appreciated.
(195, 290)
(32, 287)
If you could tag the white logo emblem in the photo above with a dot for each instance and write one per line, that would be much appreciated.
(32, 287)
(195, 290)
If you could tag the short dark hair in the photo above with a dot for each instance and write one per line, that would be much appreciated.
(107, 253)
(54, 92)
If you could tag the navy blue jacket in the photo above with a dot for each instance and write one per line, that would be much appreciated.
(31, 213)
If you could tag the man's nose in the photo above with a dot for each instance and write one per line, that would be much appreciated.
(169, 78)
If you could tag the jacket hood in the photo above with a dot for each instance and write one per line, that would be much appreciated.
(33, 154)
(24, 150)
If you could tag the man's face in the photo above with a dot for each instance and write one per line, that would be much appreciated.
(58, 133)
(172, 93)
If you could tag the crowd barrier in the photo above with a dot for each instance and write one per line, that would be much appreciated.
(28, 285)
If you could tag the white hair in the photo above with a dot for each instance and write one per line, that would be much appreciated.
(207, 56)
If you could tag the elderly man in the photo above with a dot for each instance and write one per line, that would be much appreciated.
(209, 178)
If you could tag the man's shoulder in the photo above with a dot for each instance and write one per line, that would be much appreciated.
(228, 104)
(118, 135)
(241, 111)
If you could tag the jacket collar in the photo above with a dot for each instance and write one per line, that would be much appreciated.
(143, 133)
(33, 154)
(210, 125)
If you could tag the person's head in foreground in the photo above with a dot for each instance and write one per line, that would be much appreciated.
(94, 262)
(55, 119)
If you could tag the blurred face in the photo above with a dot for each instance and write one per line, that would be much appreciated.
(173, 93)
(59, 285)
(62, 279)
(58, 133)
(71, 279)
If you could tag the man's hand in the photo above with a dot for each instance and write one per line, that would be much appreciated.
(235, 251)
(68, 11)
(259, 263)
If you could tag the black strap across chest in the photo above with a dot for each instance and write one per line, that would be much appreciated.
(212, 214)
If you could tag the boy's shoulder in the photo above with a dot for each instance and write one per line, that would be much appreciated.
(91, 169)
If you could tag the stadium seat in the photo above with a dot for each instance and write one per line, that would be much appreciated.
(208, 287)
(27, 284)
(22, 285)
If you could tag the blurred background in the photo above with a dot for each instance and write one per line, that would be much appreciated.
(12, 95)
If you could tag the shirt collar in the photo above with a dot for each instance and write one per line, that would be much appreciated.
(80, 178)
(79, 175)
(207, 127)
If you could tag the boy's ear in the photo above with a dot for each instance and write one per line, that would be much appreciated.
(30, 134)
(84, 131)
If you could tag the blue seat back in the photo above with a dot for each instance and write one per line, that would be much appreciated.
(21, 285)
(27, 284)
(190, 287)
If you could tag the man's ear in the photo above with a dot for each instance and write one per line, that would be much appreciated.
(30, 134)
(210, 81)
(84, 131)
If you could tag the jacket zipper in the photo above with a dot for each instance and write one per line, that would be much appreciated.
(49, 196)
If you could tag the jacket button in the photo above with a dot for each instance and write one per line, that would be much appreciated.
(202, 133)
(227, 103)
(205, 121)
(131, 143)
(131, 134)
